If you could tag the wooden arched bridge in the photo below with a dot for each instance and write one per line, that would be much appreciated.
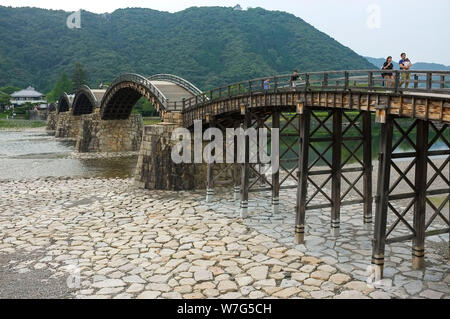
(165, 91)
(326, 124)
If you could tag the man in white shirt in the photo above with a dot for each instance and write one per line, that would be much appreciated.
(405, 65)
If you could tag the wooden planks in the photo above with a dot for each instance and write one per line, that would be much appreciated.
(433, 108)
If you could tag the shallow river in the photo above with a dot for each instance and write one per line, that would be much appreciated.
(34, 154)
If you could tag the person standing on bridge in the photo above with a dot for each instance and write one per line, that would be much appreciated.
(266, 85)
(294, 78)
(388, 77)
(405, 65)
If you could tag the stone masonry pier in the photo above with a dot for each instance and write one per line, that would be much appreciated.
(51, 121)
(67, 125)
(97, 135)
(157, 171)
(155, 168)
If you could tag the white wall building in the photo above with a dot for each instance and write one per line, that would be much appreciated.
(28, 95)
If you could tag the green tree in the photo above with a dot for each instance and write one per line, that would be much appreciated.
(63, 84)
(145, 108)
(5, 95)
(10, 89)
(4, 99)
(79, 76)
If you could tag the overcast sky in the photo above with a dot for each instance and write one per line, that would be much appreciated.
(375, 28)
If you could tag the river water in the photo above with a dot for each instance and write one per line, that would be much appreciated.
(36, 154)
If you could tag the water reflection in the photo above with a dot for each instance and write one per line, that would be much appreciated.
(35, 154)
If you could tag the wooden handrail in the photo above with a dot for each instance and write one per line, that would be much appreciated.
(349, 79)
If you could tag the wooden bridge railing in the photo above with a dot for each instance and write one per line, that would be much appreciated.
(354, 80)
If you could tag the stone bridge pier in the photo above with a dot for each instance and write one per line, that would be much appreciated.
(158, 171)
(155, 168)
(51, 121)
(97, 135)
(67, 125)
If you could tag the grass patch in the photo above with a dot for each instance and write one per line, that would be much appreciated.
(151, 120)
(6, 124)
(438, 200)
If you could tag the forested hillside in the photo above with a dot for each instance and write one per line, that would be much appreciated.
(209, 46)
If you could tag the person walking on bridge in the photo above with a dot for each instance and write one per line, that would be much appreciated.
(405, 65)
(294, 78)
(388, 77)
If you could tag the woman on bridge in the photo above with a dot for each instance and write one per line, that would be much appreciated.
(388, 77)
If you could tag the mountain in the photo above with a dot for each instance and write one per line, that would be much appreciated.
(209, 46)
(416, 65)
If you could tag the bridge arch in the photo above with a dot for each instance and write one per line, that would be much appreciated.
(64, 103)
(166, 92)
(85, 101)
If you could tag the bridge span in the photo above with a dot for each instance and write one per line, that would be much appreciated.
(326, 122)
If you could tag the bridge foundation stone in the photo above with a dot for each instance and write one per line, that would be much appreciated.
(155, 168)
(67, 125)
(97, 135)
(51, 121)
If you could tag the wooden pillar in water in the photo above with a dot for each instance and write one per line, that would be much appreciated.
(418, 245)
(302, 186)
(336, 173)
(382, 199)
(275, 163)
(367, 161)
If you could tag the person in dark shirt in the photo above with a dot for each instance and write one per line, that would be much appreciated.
(388, 77)
(405, 65)
(294, 78)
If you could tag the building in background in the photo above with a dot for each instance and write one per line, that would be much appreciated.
(28, 95)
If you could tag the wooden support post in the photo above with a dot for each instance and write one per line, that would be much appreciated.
(397, 83)
(367, 161)
(210, 170)
(418, 245)
(209, 183)
(429, 80)
(381, 210)
(302, 187)
(416, 81)
(246, 165)
(261, 169)
(237, 188)
(275, 166)
(336, 174)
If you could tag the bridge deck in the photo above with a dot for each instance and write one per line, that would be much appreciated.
(172, 91)
(98, 95)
